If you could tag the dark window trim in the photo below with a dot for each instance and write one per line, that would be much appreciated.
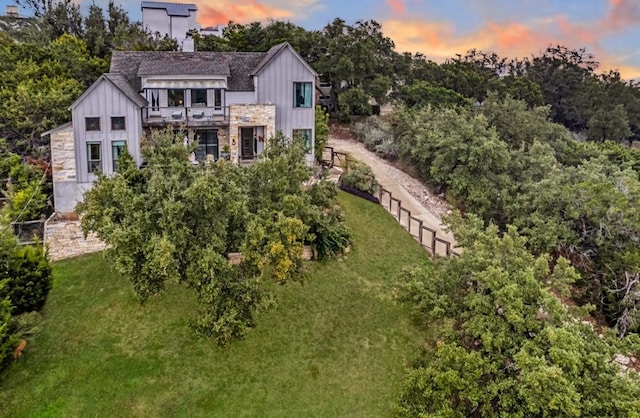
(124, 123)
(93, 119)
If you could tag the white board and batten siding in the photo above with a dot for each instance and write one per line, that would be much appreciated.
(275, 85)
(105, 101)
(240, 97)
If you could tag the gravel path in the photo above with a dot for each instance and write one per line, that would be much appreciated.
(342, 140)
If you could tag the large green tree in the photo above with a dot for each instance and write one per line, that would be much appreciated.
(502, 343)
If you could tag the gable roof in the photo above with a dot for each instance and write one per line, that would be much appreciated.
(119, 82)
(274, 52)
(237, 65)
(173, 9)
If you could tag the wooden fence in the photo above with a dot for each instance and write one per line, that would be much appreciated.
(426, 236)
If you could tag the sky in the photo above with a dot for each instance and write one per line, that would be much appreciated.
(440, 29)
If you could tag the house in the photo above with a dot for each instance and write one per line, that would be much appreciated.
(172, 19)
(237, 99)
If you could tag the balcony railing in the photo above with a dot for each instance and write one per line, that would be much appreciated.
(192, 116)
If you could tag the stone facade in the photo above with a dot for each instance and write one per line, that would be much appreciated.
(63, 157)
(64, 238)
(67, 192)
(250, 115)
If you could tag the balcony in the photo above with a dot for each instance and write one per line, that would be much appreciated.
(191, 117)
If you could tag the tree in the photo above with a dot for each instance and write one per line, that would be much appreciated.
(173, 221)
(503, 344)
(611, 124)
(321, 131)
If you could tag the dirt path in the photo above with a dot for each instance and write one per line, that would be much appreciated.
(414, 195)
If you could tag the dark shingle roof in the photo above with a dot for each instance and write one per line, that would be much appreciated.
(239, 65)
(173, 9)
(187, 63)
(121, 83)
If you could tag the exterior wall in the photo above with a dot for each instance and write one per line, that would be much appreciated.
(67, 192)
(157, 20)
(250, 116)
(104, 101)
(275, 85)
(240, 97)
(64, 239)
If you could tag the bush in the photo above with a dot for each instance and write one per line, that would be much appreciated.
(8, 338)
(29, 277)
(376, 134)
(360, 177)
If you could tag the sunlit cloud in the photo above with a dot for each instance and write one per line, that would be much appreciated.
(397, 6)
(246, 11)
(442, 40)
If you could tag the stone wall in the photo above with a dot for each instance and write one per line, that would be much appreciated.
(67, 192)
(64, 238)
(63, 157)
(250, 115)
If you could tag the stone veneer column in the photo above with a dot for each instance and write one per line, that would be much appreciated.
(250, 115)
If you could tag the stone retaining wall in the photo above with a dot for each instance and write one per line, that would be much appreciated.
(64, 239)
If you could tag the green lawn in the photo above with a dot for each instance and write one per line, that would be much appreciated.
(337, 345)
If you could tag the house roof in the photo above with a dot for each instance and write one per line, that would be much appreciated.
(185, 63)
(240, 67)
(173, 9)
(237, 65)
(56, 129)
(274, 52)
(120, 83)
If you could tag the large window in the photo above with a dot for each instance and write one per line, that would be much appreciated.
(207, 144)
(92, 124)
(305, 135)
(302, 94)
(199, 97)
(94, 159)
(175, 97)
(117, 148)
(118, 123)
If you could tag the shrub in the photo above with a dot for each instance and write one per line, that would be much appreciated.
(354, 102)
(360, 177)
(8, 338)
(376, 134)
(29, 275)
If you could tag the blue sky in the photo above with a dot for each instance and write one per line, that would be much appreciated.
(610, 29)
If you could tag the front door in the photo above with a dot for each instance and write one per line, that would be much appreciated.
(246, 141)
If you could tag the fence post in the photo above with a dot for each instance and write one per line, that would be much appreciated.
(433, 243)
(448, 250)
(399, 210)
(420, 232)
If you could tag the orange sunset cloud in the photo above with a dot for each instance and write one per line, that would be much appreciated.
(440, 40)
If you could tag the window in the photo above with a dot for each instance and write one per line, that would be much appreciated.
(302, 94)
(155, 100)
(117, 123)
(175, 97)
(117, 148)
(305, 135)
(94, 161)
(207, 144)
(199, 97)
(217, 99)
(92, 124)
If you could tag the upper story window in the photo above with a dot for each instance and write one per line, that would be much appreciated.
(92, 124)
(94, 157)
(302, 94)
(199, 97)
(118, 123)
(175, 97)
(217, 99)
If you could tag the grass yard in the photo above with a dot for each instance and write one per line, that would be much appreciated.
(337, 345)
